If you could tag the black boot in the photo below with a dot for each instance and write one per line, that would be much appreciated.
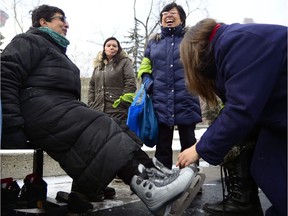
(242, 198)
(9, 196)
(33, 193)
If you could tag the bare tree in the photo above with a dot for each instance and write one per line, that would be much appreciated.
(16, 9)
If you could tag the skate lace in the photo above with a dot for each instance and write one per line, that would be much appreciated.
(161, 179)
(223, 172)
(154, 173)
(226, 184)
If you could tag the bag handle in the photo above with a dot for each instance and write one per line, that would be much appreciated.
(138, 94)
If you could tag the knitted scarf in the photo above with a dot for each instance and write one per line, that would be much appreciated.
(62, 41)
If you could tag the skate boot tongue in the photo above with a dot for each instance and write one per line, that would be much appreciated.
(161, 167)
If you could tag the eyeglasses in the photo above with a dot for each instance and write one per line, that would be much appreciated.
(62, 18)
(166, 13)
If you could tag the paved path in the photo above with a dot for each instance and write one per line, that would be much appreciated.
(128, 204)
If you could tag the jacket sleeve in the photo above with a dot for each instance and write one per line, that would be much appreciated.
(91, 89)
(249, 78)
(18, 59)
(146, 65)
(129, 77)
(129, 85)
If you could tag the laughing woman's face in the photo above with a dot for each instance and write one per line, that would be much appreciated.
(171, 18)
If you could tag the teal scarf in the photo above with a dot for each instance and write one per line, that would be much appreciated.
(62, 41)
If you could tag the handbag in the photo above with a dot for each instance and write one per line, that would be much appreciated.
(142, 119)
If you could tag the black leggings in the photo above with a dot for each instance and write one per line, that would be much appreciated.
(164, 152)
(131, 168)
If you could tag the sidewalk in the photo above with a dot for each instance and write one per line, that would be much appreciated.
(128, 204)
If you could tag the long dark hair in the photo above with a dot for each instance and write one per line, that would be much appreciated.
(116, 58)
(197, 56)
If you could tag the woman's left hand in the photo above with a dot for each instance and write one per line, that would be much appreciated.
(187, 157)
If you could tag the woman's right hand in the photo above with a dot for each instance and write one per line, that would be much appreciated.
(187, 157)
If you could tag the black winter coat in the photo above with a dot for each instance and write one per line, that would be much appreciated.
(40, 89)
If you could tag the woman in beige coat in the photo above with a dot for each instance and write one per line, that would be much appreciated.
(113, 82)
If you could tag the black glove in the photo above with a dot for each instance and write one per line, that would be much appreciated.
(14, 138)
(148, 83)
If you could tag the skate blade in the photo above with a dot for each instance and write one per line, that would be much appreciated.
(182, 203)
(165, 211)
(35, 211)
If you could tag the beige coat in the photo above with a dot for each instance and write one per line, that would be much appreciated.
(108, 84)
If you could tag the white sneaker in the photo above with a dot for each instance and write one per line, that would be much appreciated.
(156, 192)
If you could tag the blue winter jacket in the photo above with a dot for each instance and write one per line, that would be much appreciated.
(171, 100)
(251, 79)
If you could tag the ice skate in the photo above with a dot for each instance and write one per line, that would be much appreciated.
(182, 203)
(161, 167)
(177, 207)
(159, 189)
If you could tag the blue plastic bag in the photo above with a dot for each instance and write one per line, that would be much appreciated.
(142, 119)
(135, 111)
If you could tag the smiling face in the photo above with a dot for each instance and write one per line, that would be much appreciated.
(57, 23)
(170, 18)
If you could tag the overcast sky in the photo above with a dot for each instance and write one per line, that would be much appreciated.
(91, 22)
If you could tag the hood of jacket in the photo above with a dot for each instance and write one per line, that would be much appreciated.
(97, 61)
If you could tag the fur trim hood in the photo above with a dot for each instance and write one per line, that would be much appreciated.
(97, 61)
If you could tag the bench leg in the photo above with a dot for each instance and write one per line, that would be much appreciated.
(38, 162)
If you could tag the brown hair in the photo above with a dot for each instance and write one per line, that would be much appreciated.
(116, 58)
(197, 56)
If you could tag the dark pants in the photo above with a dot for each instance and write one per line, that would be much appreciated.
(131, 168)
(164, 152)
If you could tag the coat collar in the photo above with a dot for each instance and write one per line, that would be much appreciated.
(98, 60)
(167, 31)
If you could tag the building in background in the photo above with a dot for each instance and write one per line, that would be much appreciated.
(248, 20)
(3, 17)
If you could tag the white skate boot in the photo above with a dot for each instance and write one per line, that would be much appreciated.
(156, 188)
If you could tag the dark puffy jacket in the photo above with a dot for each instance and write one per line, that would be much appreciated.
(40, 89)
(171, 100)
